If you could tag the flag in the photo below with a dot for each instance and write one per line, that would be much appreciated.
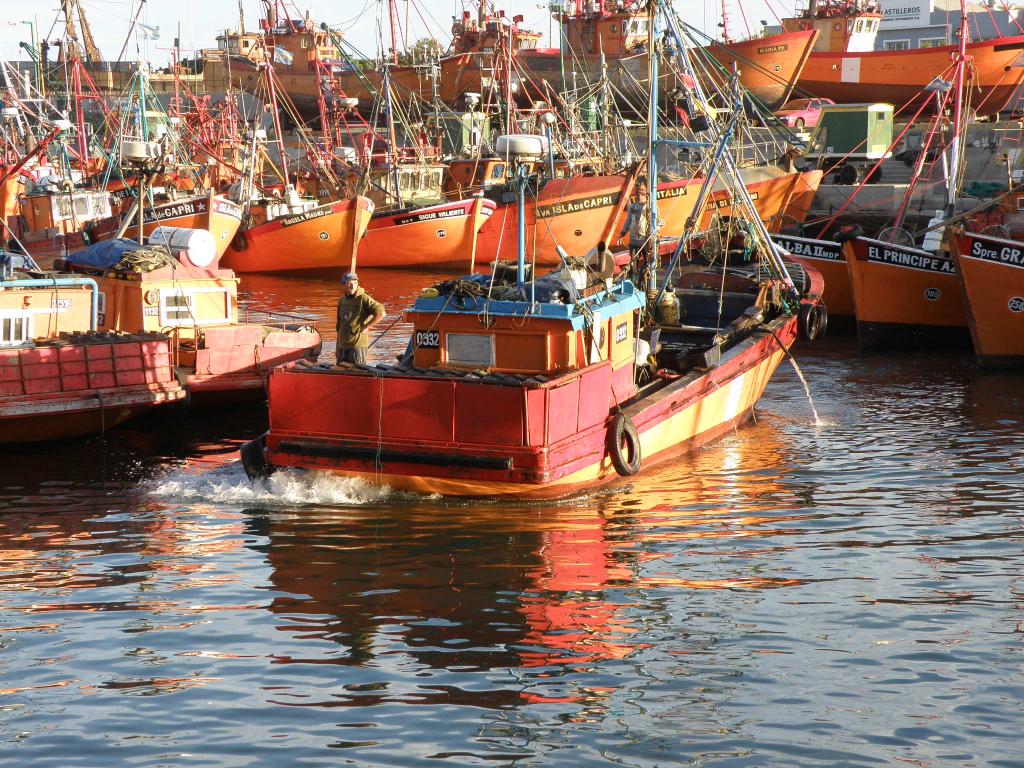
(149, 33)
(282, 56)
(683, 115)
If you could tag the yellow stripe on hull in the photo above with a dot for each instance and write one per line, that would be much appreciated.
(727, 405)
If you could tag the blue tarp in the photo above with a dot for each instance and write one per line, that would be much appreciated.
(104, 254)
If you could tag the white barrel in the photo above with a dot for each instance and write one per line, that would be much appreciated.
(933, 237)
(192, 246)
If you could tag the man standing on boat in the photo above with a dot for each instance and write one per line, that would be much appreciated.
(638, 226)
(358, 312)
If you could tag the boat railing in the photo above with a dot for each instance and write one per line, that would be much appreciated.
(248, 315)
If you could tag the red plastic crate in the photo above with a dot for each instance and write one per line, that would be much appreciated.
(71, 353)
(40, 371)
(11, 388)
(42, 386)
(127, 349)
(97, 351)
(130, 377)
(156, 347)
(76, 381)
(129, 363)
(40, 355)
(101, 380)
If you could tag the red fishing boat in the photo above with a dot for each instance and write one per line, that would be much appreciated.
(541, 387)
(59, 377)
(845, 67)
(904, 297)
(991, 271)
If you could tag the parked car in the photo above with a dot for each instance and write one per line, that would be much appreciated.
(802, 113)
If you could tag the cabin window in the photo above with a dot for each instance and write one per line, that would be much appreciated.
(15, 329)
(470, 349)
(933, 42)
(498, 172)
(614, 29)
(859, 26)
(199, 306)
(403, 181)
(1020, 203)
(896, 45)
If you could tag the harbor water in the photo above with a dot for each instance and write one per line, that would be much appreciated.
(846, 592)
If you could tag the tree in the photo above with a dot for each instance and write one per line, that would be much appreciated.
(422, 51)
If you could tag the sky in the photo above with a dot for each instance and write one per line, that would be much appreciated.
(201, 20)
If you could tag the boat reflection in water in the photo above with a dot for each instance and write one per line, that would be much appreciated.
(450, 590)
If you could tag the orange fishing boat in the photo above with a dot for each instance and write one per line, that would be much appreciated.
(436, 235)
(573, 213)
(599, 31)
(826, 256)
(904, 297)
(845, 67)
(317, 237)
(781, 199)
(214, 213)
(769, 66)
(991, 273)
(594, 32)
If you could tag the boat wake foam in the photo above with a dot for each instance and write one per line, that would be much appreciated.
(228, 484)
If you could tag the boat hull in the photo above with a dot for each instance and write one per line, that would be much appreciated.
(321, 238)
(508, 440)
(898, 77)
(49, 418)
(992, 279)
(904, 297)
(781, 200)
(827, 257)
(217, 214)
(574, 213)
(438, 235)
(82, 384)
(769, 67)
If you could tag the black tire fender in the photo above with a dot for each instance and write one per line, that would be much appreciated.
(239, 242)
(254, 461)
(809, 322)
(624, 446)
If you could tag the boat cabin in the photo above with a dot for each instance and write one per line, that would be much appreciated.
(843, 26)
(47, 214)
(562, 327)
(603, 26)
(31, 310)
